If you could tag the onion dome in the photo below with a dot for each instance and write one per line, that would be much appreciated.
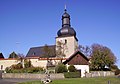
(66, 29)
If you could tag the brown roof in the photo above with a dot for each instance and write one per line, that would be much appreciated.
(73, 55)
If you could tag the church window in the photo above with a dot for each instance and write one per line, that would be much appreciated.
(1, 67)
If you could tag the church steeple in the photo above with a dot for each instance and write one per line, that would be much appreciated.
(65, 19)
(66, 36)
(66, 29)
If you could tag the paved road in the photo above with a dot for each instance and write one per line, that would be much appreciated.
(14, 81)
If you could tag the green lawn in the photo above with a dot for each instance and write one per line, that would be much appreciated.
(100, 80)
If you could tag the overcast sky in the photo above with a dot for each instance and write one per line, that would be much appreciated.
(32, 23)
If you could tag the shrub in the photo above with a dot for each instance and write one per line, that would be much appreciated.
(25, 70)
(27, 63)
(8, 70)
(16, 66)
(71, 68)
(60, 68)
(72, 75)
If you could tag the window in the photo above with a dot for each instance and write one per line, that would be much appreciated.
(1, 67)
(65, 41)
(33, 53)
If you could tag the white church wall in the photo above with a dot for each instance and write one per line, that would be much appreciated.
(84, 69)
(38, 63)
(7, 63)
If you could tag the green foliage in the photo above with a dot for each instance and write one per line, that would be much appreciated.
(25, 70)
(60, 68)
(71, 68)
(27, 63)
(101, 57)
(13, 55)
(114, 67)
(16, 66)
(72, 75)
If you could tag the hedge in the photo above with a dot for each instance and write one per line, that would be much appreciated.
(72, 75)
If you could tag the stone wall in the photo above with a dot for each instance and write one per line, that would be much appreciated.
(100, 73)
(31, 76)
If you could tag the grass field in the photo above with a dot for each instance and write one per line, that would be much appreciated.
(98, 80)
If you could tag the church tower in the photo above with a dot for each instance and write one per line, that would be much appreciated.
(66, 40)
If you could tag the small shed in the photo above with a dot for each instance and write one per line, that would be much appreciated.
(80, 61)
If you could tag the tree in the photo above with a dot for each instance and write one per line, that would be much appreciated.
(47, 51)
(86, 50)
(101, 57)
(60, 68)
(60, 52)
(72, 68)
(21, 58)
(27, 63)
(13, 55)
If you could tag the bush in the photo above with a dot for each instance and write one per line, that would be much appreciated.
(8, 70)
(60, 68)
(71, 68)
(25, 70)
(72, 75)
(27, 63)
(17, 66)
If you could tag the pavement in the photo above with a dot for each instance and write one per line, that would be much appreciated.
(15, 80)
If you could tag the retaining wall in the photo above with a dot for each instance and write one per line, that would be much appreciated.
(31, 76)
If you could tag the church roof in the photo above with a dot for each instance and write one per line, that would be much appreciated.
(39, 51)
(1, 55)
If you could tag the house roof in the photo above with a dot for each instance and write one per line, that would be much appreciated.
(73, 55)
(39, 51)
(1, 55)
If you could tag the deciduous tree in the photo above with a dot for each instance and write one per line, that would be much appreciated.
(101, 57)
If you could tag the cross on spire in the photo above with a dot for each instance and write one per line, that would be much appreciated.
(65, 8)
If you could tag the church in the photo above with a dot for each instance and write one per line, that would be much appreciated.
(65, 50)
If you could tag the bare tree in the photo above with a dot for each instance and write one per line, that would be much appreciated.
(86, 50)
(21, 58)
(60, 52)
